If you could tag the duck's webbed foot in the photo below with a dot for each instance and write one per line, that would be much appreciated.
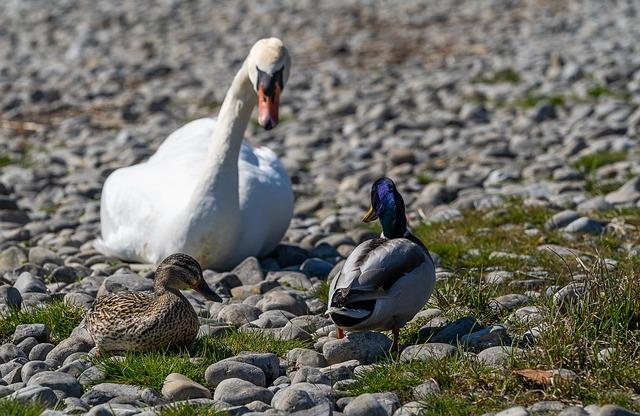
(340, 333)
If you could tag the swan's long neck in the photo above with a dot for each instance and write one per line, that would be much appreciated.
(233, 117)
(215, 200)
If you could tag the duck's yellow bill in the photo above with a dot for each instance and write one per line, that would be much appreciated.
(370, 215)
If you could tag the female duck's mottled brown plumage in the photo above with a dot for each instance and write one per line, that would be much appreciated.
(139, 321)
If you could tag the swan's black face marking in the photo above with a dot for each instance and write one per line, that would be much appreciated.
(269, 88)
(269, 82)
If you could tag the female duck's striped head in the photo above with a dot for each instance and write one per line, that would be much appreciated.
(388, 206)
(181, 271)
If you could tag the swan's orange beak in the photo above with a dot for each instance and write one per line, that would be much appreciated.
(268, 107)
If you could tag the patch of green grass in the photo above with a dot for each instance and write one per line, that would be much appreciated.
(5, 160)
(152, 367)
(423, 179)
(596, 187)
(58, 316)
(11, 407)
(591, 163)
(599, 91)
(531, 100)
(186, 410)
(321, 292)
(467, 243)
(508, 75)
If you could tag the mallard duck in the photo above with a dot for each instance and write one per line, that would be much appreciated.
(385, 281)
(139, 321)
(206, 191)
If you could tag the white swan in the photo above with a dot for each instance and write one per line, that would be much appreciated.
(206, 192)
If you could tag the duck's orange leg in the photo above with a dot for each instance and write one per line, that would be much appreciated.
(340, 333)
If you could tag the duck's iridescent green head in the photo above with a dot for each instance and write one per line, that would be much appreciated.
(388, 206)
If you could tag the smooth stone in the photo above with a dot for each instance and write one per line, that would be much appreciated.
(178, 387)
(26, 283)
(226, 369)
(497, 356)
(614, 410)
(546, 406)
(63, 274)
(104, 392)
(92, 375)
(497, 277)
(249, 271)
(10, 352)
(40, 351)
(238, 392)
(315, 267)
(310, 375)
(569, 295)
(453, 332)
(10, 296)
(38, 331)
(79, 341)
(561, 219)
(376, 404)
(508, 302)
(268, 362)
(301, 357)
(366, 347)
(40, 255)
(585, 225)
(273, 319)
(300, 396)
(40, 394)
(79, 299)
(425, 390)
(27, 344)
(429, 351)
(626, 194)
(238, 314)
(283, 300)
(31, 368)
(514, 411)
(485, 338)
(573, 411)
(10, 258)
(303, 327)
(57, 380)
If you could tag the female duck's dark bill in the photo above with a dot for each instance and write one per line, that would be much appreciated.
(206, 291)
(371, 215)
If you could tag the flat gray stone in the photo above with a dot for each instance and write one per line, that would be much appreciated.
(585, 225)
(41, 394)
(38, 331)
(366, 347)
(57, 380)
(226, 369)
(300, 396)
(429, 351)
(378, 404)
(238, 392)
(498, 356)
(178, 387)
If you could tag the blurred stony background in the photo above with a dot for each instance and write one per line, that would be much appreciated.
(465, 104)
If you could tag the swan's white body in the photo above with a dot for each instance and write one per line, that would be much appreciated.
(205, 192)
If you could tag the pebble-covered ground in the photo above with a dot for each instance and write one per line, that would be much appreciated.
(510, 127)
